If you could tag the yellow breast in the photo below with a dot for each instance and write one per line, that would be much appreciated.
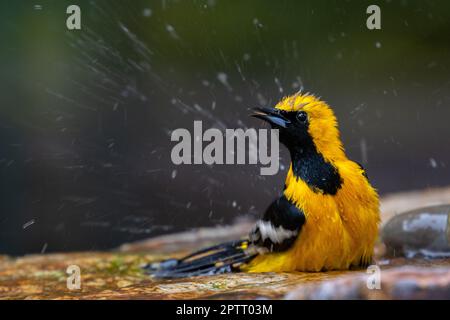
(340, 230)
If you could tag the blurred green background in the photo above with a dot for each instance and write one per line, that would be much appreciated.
(86, 116)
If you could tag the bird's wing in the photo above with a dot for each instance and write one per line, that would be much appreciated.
(279, 227)
(275, 232)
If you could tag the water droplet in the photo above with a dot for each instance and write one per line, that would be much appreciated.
(433, 163)
(171, 30)
(223, 78)
(27, 224)
(147, 12)
(257, 23)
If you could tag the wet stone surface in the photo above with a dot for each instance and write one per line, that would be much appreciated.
(118, 274)
(424, 232)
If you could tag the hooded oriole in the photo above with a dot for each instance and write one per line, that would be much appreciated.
(326, 219)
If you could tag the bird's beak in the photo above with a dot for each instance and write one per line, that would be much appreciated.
(273, 116)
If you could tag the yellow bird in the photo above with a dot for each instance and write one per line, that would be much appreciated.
(326, 219)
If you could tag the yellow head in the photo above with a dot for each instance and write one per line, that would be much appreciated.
(305, 122)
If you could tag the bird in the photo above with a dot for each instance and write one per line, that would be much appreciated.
(327, 215)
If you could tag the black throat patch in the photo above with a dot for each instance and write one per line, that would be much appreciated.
(310, 166)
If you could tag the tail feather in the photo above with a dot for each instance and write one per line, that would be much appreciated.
(222, 258)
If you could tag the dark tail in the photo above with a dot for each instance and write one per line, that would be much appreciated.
(222, 258)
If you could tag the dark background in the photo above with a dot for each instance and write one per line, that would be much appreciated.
(86, 116)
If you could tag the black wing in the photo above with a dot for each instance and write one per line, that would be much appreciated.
(275, 232)
(279, 228)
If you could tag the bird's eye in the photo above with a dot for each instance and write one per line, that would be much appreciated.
(302, 116)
